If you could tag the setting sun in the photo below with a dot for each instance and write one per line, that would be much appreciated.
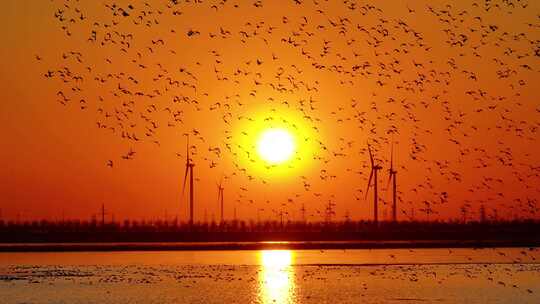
(275, 146)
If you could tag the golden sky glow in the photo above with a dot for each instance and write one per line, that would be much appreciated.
(97, 97)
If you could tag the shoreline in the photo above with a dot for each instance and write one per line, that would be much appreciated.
(270, 245)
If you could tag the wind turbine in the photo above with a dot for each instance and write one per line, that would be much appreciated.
(392, 177)
(220, 199)
(373, 174)
(189, 170)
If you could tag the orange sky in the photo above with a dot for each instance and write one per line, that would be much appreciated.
(454, 85)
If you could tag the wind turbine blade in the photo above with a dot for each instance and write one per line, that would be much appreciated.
(370, 155)
(392, 157)
(187, 152)
(369, 182)
(391, 170)
(185, 180)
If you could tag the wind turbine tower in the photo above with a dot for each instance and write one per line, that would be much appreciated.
(221, 189)
(392, 177)
(189, 170)
(373, 174)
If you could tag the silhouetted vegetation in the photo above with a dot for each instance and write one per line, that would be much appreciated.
(238, 231)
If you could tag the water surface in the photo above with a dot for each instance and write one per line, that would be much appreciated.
(497, 275)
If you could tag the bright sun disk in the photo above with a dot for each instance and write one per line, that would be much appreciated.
(275, 146)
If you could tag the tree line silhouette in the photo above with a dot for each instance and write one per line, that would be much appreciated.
(270, 230)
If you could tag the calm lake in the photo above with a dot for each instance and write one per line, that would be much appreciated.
(495, 275)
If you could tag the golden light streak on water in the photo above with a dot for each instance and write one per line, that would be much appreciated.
(276, 280)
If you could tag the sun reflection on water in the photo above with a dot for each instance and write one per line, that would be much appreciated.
(276, 282)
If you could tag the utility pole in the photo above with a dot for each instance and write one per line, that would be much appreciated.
(329, 211)
(482, 214)
(103, 215)
(220, 194)
(464, 214)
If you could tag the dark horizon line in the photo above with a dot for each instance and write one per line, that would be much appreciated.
(130, 221)
(264, 245)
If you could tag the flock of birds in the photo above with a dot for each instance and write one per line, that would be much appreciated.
(450, 86)
(468, 279)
